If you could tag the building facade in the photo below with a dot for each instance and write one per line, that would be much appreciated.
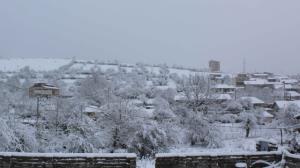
(214, 66)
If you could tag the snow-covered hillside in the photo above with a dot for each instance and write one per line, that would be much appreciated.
(37, 64)
(11, 65)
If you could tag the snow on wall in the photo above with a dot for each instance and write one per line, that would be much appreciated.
(86, 155)
(217, 154)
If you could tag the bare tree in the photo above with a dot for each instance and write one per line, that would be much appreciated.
(196, 89)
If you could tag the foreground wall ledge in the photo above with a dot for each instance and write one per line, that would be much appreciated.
(69, 155)
(216, 154)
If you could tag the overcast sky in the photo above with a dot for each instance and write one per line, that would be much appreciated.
(184, 32)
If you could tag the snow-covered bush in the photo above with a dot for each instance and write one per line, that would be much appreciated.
(26, 138)
(97, 89)
(234, 107)
(288, 115)
(198, 130)
(76, 144)
(246, 104)
(8, 139)
(148, 140)
(168, 94)
(250, 117)
(162, 110)
(226, 118)
(213, 138)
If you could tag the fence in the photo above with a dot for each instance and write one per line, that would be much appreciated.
(236, 131)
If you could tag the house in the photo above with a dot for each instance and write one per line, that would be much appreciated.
(223, 88)
(273, 79)
(264, 75)
(43, 89)
(214, 66)
(292, 95)
(259, 83)
(240, 79)
(287, 80)
(216, 76)
(282, 105)
(256, 102)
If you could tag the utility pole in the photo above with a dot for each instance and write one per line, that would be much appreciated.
(284, 92)
(57, 112)
(281, 139)
(37, 115)
(235, 93)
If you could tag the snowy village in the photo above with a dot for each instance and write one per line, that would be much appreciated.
(149, 84)
(76, 106)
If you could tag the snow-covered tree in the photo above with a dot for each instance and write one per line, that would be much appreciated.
(162, 112)
(234, 107)
(196, 89)
(149, 140)
(97, 89)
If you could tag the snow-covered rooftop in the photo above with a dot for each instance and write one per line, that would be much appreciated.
(266, 114)
(92, 109)
(293, 93)
(253, 100)
(256, 81)
(224, 86)
(283, 104)
(222, 96)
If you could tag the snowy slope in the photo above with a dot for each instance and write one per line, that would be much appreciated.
(83, 66)
(37, 64)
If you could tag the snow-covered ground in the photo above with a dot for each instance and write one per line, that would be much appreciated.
(146, 163)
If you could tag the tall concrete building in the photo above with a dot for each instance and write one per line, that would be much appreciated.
(214, 66)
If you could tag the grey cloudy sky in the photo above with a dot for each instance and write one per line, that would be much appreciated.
(185, 32)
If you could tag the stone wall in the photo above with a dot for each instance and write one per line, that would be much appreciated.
(31, 160)
(292, 161)
(213, 161)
